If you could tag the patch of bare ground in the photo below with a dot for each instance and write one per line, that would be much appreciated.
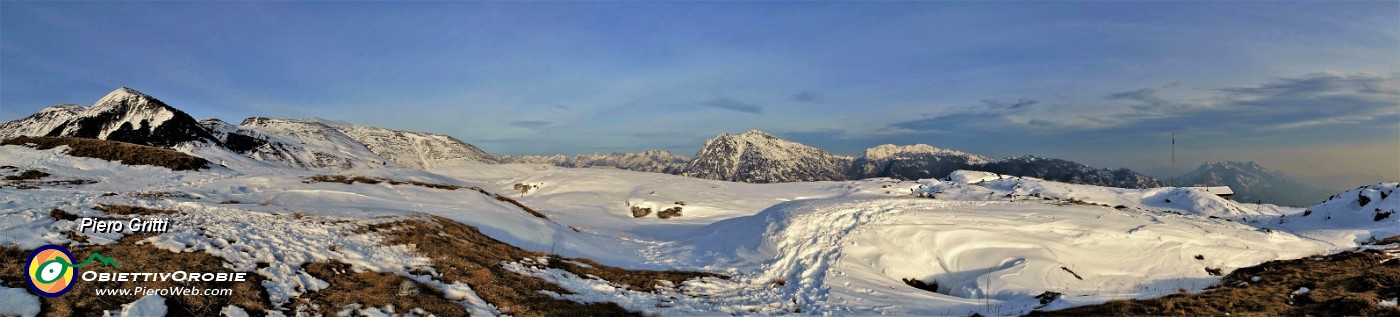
(126, 153)
(32, 179)
(133, 210)
(373, 289)
(1344, 284)
(373, 180)
(133, 257)
(461, 253)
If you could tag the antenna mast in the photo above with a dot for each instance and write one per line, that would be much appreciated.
(1173, 170)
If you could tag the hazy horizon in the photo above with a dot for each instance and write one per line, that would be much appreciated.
(1311, 89)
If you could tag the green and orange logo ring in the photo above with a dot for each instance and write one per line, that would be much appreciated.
(50, 270)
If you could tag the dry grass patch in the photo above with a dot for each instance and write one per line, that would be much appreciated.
(1342, 284)
(27, 175)
(80, 301)
(373, 180)
(374, 289)
(462, 253)
(133, 210)
(126, 153)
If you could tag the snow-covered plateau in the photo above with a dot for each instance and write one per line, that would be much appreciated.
(978, 242)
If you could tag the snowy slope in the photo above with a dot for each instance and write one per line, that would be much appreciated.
(415, 149)
(310, 144)
(123, 115)
(758, 157)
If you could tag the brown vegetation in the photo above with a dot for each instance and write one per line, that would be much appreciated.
(1343, 284)
(461, 253)
(373, 180)
(126, 153)
(133, 210)
(27, 175)
(373, 289)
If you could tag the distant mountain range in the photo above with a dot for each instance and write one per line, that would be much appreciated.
(754, 156)
(1253, 183)
(656, 161)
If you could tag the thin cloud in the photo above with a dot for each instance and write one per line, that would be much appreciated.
(809, 96)
(1147, 98)
(1012, 105)
(731, 104)
(531, 124)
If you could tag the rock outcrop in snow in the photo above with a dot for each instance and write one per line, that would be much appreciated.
(758, 157)
(1253, 182)
(124, 115)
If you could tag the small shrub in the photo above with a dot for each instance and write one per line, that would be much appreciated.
(638, 212)
(230, 201)
(1200, 257)
(1214, 271)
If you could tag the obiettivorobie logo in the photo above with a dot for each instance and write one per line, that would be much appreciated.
(51, 270)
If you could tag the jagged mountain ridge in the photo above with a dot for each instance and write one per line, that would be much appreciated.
(1253, 182)
(911, 162)
(758, 157)
(1068, 171)
(124, 115)
(130, 116)
(656, 161)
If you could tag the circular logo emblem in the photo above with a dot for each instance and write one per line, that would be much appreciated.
(50, 270)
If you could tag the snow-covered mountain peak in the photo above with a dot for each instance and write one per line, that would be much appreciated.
(758, 157)
(66, 108)
(122, 94)
(123, 115)
(756, 134)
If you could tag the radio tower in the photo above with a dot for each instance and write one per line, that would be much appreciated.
(1173, 169)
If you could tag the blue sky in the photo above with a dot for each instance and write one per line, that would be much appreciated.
(1298, 86)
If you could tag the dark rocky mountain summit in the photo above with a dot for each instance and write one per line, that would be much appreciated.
(124, 115)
